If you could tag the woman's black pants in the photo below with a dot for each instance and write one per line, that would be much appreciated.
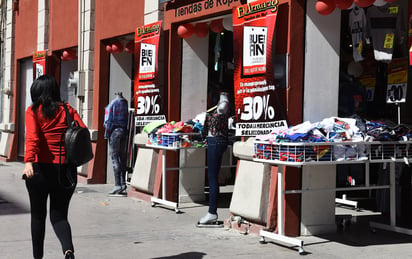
(49, 181)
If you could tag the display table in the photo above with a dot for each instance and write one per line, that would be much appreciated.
(163, 200)
(329, 153)
(171, 142)
(176, 145)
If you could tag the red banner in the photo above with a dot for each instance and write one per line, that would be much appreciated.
(146, 89)
(39, 63)
(410, 32)
(258, 109)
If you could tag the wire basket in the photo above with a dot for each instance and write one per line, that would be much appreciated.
(174, 140)
(333, 152)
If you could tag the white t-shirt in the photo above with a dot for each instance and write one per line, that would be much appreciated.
(358, 26)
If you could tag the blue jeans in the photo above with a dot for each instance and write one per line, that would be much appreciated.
(117, 144)
(216, 146)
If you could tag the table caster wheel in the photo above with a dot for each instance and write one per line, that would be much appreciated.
(153, 204)
(262, 240)
(301, 251)
(177, 210)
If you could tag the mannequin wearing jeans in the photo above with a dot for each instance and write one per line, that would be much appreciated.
(115, 123)
(216, 127)
(117, 144)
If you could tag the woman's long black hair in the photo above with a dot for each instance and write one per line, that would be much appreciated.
(46, 92)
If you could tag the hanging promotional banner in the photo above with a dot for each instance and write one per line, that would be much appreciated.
(259, 104)
(146, 86)
(39, 63)
(397, 81)
(410, 33)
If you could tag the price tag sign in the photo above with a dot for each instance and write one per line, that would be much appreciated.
(396, 93)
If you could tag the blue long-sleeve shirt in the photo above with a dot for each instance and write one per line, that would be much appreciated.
(115, 116)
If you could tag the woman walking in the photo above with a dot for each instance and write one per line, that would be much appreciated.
(45, 177)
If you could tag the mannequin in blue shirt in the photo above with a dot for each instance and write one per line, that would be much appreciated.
(115, 123)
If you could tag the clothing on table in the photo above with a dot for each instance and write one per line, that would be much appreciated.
(45, 183)
(357, 24)
(43, 135)
(115, 116)
(386, 28)
(117, 144)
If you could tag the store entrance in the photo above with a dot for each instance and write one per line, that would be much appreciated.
(373, 87)
(120, 81)
(220, 79)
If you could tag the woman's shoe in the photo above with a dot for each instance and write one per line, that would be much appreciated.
(69, 255)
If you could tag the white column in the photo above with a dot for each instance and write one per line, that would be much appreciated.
(43, 25)
(321, 91)
(86, 35)
(7, 125)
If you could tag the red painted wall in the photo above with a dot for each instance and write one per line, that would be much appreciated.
(117, 17)
(25, 43)
(112, 19)
(63, 24)
(26, 29)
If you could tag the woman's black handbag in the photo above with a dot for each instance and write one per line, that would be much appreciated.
(77, 142)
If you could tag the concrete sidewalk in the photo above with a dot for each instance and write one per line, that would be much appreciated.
(120, 227)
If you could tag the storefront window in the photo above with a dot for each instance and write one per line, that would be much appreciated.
(220, 67)
(374, 83)
(374, 62)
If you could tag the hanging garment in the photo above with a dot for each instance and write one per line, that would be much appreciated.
(357, 25)
(386, 29)
(410, 34)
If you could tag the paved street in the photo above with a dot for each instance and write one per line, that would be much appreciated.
(120, 227)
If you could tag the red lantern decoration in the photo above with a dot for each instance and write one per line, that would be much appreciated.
(325, 7)
(217, 25)
(68, 54)
(109, 48)
(129, 47)
(117, 47)
(343, 4)
(201, 29)
(364, 3)
(185, 31)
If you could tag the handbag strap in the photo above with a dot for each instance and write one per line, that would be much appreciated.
(69, 124)
(68, 118)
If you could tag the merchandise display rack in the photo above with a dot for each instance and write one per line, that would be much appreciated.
(330, 153)
(172, 142)
(173, 146)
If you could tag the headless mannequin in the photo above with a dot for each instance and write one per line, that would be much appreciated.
(216, 126)
(119, 95)
(223, 104)
(116, 133)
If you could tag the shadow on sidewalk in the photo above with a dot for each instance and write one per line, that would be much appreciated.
(357, 232)
(9, 208)
(189, 255)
